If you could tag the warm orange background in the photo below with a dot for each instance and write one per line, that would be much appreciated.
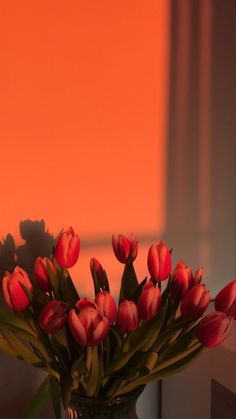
(83, 108)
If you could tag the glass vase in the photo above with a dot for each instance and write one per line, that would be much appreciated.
(121, 407)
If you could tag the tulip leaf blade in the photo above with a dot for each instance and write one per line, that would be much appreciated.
(53, 279)
(181, 344)
(6, 347)
(68, 290)
(100, 283)
(129, 282)
(21, 350)
(9, 318)
(56, 397)
(42, 395)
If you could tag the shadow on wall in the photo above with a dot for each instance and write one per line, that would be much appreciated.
(38, 242)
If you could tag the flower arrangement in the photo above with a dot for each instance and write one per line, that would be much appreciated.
(102, 348)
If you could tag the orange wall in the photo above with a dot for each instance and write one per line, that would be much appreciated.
(83, 111)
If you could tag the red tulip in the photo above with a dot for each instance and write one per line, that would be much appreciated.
(159, 261)
(195, 301)
(41, 273)
(89, 327)
(13, 293)
(214, 328)
(226, 299)
(197, 277)
(149, 301)
(124, 248)
(53, 316)
(67, 249)
(107, 305)
(127, 317)
(181, 276)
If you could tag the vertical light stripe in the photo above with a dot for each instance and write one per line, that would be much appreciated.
(204, 168)
(182, 94)
(204, 115)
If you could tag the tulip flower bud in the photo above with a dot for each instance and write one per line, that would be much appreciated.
(225, 300)
(41, 273)
(195, 301)
(214, 328)
(107, 305)
(197, 277)
(159, 261)
(13, 293)
(181, 276)
(67, 249)
(124, 248)
(127, 317)
(149, 301)
(89, 327)
(53, 316)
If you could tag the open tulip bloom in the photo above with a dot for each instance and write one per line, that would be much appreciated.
(103, 347)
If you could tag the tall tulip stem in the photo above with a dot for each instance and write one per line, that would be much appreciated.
(89, 357)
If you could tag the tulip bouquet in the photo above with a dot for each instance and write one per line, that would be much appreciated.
(102, 348)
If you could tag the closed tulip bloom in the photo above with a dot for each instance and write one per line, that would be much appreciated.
(53, 316)
(195, 301)
(41, 273)
(124, 248)
(149, 301)
(197, 277)
(89, 327)
(182, 276)
(214, 328)
(226, 300)
(13, 293)
(127, 317)
(107, 305)
(159, 261)
(67, 249)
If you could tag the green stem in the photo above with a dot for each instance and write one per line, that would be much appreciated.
(89, 357)
(101, 360)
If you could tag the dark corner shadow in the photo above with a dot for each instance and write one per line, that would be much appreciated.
(38, 242)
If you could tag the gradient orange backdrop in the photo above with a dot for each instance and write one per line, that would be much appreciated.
(83, 111)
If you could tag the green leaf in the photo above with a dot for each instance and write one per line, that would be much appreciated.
(6, 347)
(144, 362)
(176, 367)
(182, 343)
(19, 348)
(68, 290)
(79, 367)
(9, 318)
(137, 292)
(53, 279)
(154, 330)
(167, 334)
(35, 342)
(56, 397)
(100, 283)
(129, 282)
(40, 398)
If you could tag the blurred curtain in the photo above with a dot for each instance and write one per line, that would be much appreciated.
(201, 139)
(201, 174)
